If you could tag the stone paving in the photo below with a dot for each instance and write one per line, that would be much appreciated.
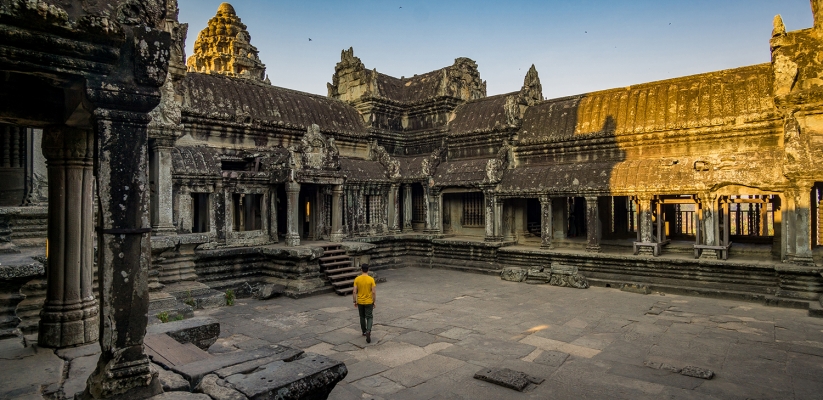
(434, 329)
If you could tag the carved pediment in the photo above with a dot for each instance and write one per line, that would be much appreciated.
(316, 152)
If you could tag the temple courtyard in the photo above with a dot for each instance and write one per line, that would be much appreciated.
(434, 329)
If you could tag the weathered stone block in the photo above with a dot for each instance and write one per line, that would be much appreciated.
(564, 275)
(311, 377)
(197, 370)
(217, 389)
(269, 290)
(697, 372)
(507, 378)
(635, 288)
(537, 275)
(201, 331)
(513, 274)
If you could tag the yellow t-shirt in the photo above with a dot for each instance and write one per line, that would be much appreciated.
(364, 284)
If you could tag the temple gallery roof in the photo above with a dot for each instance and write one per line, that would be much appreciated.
(240, 101)
(704, 100)
(483, 115)
(362, 170)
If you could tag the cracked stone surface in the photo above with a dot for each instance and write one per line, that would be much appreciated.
(434, 329)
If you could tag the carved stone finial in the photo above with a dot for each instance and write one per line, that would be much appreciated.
(779, 28)
(224, 47)
(532, 90)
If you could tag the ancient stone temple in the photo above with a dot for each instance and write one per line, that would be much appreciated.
(133, 183)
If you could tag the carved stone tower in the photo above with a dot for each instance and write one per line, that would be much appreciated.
(224, 48)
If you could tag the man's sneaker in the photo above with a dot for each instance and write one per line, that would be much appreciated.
(368, 336)
(364, 333)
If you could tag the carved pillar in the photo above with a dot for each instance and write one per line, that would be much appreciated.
(546, 223)
(435, 205)
(292, 216)
(273, 215)
(336, 214)
(489, 219)
(498, 218)
(592, 225)
(645, 224)
(394, 209)
(709, 224)
(124, 244)
(407, 208)
(161, 197)
(36, 171)
(427, 207)
(507, 220)
(801, 224)
(70, 314)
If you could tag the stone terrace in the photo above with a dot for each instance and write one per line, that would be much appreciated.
(435, 328)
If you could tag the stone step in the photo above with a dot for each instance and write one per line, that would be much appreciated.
(344, 290)
(333, 258)
(344, 275)
(338, 263)
(348, 282)
(333, 252)
(340, 270)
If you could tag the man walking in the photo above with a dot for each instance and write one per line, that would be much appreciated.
(365, 295)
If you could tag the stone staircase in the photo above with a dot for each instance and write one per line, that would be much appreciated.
(339, 268)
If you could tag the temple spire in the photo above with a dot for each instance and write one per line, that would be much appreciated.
(224, 47)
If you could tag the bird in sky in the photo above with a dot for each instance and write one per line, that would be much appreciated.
(310, 39)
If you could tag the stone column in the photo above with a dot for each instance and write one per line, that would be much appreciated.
(407, 208)
(546, 223)
(709, 225)
(124, 249)
(336, 214)
(36, 171)
(592, 225)
(489, 219)
(292, 215)
(394, 209)
(644, 222)
(801, 224)
(498, 218)
(507, 222)
(70, 314)
(435, 205)
(427, 207)
(161, 199)
(273, 214)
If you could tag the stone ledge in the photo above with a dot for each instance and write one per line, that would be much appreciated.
(316, 377)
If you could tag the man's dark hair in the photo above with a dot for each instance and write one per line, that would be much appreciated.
(364, 267)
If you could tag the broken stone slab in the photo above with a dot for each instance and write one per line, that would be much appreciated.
(79, 370)
(269, 290)
(635, 288)
(195, 371)
(697, 372)
(290, 354)
(218, 389)
(513, 274)
(311, 377)
(200, 331)
(537, 275)
(507, 378)
(565, 275)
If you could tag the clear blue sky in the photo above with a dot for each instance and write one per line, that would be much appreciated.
(577, 46)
